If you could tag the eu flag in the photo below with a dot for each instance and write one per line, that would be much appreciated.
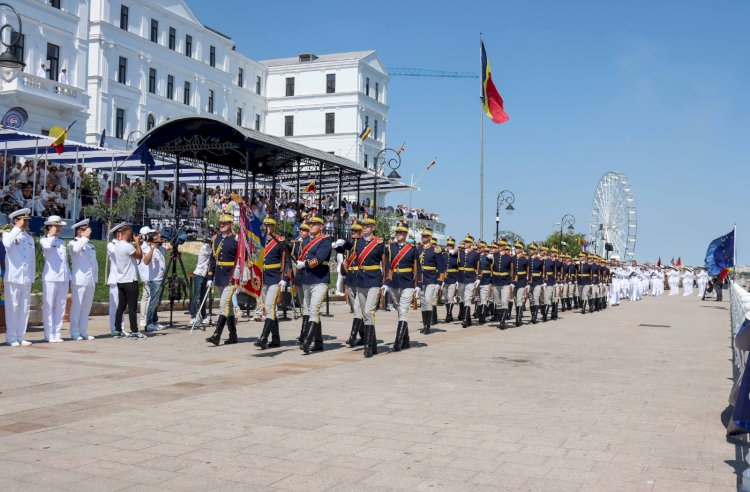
(720, 254)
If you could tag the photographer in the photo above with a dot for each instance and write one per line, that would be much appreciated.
(199, 283)
(126, 256)
(151, 269)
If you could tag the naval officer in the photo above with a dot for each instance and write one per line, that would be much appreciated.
(19, 275)
(84, 273)
(55, 279)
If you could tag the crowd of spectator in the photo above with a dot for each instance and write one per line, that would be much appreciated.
(48, 191)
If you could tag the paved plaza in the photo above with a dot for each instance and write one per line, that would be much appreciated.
(625, 399)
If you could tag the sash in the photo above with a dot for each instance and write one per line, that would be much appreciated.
(353, 256)
(368, 249)
(400, 255)
(312, 243)
(270, 246)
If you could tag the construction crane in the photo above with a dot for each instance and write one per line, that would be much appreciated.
(421, 72)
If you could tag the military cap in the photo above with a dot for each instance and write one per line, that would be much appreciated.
(401, 227)
(427, 232)
(83, 223)
(518, 244)
(356, 226)
(269, 221)
(481, 244)
(451, 241)
(23, 213)
(225, 218)
(554, 250)
(533, 247)
(367, 221)
(545, 248)
(118, 227)
(305, 227)
(469, 239)
(316, 220)
(502, 243)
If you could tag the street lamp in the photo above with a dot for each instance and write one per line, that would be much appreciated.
(504, 197)
(10, 66)
(567, 220)
(391, 159)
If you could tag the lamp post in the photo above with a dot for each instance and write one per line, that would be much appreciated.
(10, 66)
(567, 220)
(504, 197)
(391, 159)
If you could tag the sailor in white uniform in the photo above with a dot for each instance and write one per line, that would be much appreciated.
(687, 282)
(702, 280)
(114, 296)
(84, 274)
(20, 266)
(55, 279)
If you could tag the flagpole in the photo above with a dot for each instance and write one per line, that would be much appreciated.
(734, 267)
(481, 154)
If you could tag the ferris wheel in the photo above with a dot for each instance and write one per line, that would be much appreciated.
(613, 217)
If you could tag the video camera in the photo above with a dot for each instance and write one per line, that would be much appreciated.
(180, 235)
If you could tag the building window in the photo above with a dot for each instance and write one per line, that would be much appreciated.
(367, 160)
(288, 126)
(331, 83)
(150, 122)
(188, 45)
(18, 41)
(257, 122)
(170, 86)
(330, 123)
(367, 86)
(239, 116)
(120, 123)
(289, 86)
(53, 57)
(367, 121)
(122, 70)
(186, 93)
(212, 56)
(124, 12)
(54, 3)
(152, 80)
(241, 77)
(210, 101)
(154, 31)
(375, 130)
(172, 38)
(257, 85)
(377, 91)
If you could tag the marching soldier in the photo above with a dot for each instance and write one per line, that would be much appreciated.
(584, 282)
(276, 266)
(441, 279)
(297, 245)
(401, 266)
(521, 275)
(468, 266)
(595, 282)
(84, 274)
(55, 278)
(536, 289)
(221, 273)
(429, 270)
(371, 263)
(485, 280)
(313, 260)
(349, 250)
(550, 281)
(19, 276)
(502, 277)
(558, 286)
(451, 278)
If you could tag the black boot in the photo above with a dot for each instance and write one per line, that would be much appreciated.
(467, 317)
(399, 336)
(262, 342)
(216, 337)
(583, 306)
(448, 313)
(318, 343)
(353, 335)
(461, 308)
(426, 319)
(434, 320)
(405, 342)
(232, 326)
(275, 335)
(501, 318)
(361, 332)
(554, 310)
(482, 317)
(544, 309)
(518, 316)
(476, 310)
(534, 311)
(371, 344)
(312, 329)
(303, 329)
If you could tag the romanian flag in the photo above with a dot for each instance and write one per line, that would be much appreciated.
(60, 136)
(252, 246)
(432, 163)
(365, 133)
(491, 100)
(311, 187)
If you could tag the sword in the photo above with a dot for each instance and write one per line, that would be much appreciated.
(192, 326)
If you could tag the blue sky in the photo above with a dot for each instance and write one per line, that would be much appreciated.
(656, 90)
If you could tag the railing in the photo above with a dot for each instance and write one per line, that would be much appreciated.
(739, 397)
(416, 225)
(26, 81)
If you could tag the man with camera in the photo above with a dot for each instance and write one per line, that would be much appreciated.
(151, 269)
(127, 252)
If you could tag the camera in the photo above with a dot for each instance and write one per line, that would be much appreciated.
(178, 236)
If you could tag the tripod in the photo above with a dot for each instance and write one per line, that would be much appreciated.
(175, 257)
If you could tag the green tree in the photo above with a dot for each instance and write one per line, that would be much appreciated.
(128, 204)
(571, 243)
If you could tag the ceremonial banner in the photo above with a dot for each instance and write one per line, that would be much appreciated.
(720, 254)
(491, 101)
(252, 250)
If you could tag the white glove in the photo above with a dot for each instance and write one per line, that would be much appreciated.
(476, 283)
(300, 265)
(338, 243)
(544, 285)
(384, 288)
(417, 291)
(282, 284)
(452, 251)
(209, 284)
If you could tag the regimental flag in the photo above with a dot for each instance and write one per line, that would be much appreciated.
(60, 135)
(491, 100)
(365, 133)
(252, 246)
(658, 263)
(310, 187)
(679, 262)
(720, 255)
(672, 262)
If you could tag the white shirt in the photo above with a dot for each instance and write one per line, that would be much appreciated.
(55, 259)
(125, 264)
(41, 72)
(63, 78)
(20, 262)
(85, 270)
(142, 267)
(157, 266)
(112, 277)
(204, 255)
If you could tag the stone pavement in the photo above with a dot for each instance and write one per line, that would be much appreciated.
(625, 399)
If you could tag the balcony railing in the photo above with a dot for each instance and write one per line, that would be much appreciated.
(52, 90)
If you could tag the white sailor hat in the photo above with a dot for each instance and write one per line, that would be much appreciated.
(83, 223)
(145, 230)
(23, 213)
(118, 227)
(54, 220)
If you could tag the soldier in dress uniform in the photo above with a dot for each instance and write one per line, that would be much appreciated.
(502, 278)
(348, 250)
(276, 270)
(468, 266)
(485, 280)
(401, 266)
(451, 278)
(550, 276)
(558, 285)
(584, 282)
(595, 282)
(536, 278)
(314, 260)
(19, 275)
(84, 274)
(222, 274)
(441, 279)
(569, 283)
(430, 268)
(297, 245)
(521, 275)
(55, 278)
(371, 260)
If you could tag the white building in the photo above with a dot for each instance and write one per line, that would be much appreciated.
(54, 33)
(326, 101)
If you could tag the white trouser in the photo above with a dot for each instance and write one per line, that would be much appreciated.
(315, 295)
(484, 294)
(354, 302)
(269, 293)
(468, 293)
(460, 291)
(687, 288)
(402, 298)
(549, 294)
(701, 289)
(500, 296)
(145, 298)
(450, 293)
(368, 298)
(17, 306)
(82, 296)
(428, 296)
(584, 292)
(521, 294)
(114, 301)
(536, 295)
(53, 307)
